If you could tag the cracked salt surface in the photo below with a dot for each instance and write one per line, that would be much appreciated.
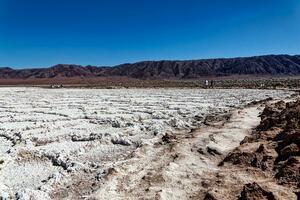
(58, 143)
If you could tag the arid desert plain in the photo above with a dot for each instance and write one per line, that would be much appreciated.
(115, 143)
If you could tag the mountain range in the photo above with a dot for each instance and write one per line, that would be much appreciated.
(168, 69)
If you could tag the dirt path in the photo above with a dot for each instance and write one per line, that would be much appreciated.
(178, 166)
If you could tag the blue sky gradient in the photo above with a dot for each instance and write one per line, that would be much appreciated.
(41, 33)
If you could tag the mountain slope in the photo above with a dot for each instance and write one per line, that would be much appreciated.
(257, 65)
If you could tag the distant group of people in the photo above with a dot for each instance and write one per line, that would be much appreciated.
(209, 84)
(56, 86)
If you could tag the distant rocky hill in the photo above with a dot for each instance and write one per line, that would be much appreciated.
(257, 65)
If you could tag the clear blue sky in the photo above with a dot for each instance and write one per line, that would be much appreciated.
(41, 33)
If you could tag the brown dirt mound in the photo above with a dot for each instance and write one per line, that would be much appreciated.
(252, 191)
(288, 172)
(262, 157)
(278, 141)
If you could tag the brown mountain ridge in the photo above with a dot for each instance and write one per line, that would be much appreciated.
(166, 69)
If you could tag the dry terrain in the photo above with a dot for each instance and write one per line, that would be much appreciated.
(240, 81)
(125, 143)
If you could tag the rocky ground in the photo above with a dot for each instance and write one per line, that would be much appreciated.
(270, 155)
(240, 156)
(134, 144)
(179, 166)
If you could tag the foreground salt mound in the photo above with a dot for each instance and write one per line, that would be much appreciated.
(27, 194)
(66, 142)
(176, 165)
(236, 156)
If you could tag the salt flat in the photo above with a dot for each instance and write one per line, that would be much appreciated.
(59, 143)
